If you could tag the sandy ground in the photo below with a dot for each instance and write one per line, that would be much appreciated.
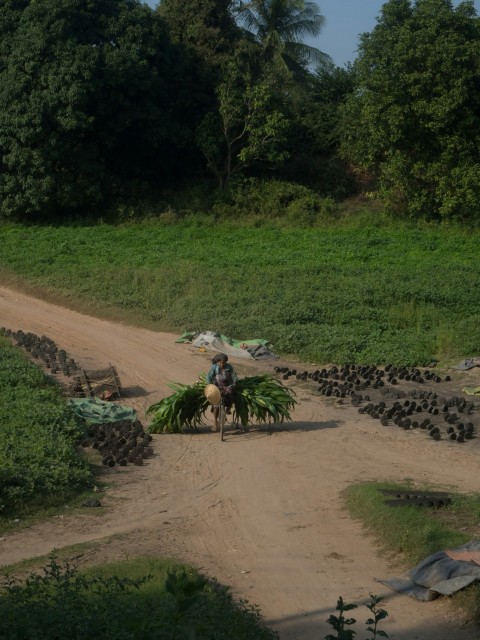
(261, 512)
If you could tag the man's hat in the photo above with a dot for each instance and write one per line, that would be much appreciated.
(212, 394)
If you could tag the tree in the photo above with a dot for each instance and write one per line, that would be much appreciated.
(208, 33)
(314, 137)
(280, 26)
(413, 122)
(90, 102)
(205, 26)
(246, 128)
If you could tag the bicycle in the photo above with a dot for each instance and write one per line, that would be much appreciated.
(215, 398)
(219, 414)
(222, 420)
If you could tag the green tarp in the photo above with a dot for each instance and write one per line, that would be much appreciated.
(471, 391)
(98, 411)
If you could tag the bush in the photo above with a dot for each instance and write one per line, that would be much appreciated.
(274, 200)
(62, 602)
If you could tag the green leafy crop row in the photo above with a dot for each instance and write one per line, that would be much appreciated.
(38, 458)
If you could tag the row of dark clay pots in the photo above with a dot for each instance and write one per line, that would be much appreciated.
(120, 442)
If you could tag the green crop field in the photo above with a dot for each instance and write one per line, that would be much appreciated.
(38, 458)
(361, 291)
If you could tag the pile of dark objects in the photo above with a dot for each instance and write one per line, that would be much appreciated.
(55, 359)
(419, 498)
(120, 442)
(376, 392)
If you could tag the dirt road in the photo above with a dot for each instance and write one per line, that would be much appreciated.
(261, 512)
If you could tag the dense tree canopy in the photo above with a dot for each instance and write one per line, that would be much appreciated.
(90, 100)
(106, 99)
(110, 99)
(206, 26)
(413, 122)
(246, 128)
(315, 132)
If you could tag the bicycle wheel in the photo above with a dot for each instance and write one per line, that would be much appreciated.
(221, 419)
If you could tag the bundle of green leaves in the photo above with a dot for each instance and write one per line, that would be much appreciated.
(257, 398)
(184, 409)
(263, 399)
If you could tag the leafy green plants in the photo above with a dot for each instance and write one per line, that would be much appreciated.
(263, 399)
(259, 398)
(38, 456)
(142, 598)
(340, 623)
(353, 291)
(184, 409)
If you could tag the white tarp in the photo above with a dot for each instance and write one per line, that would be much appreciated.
(209, 340)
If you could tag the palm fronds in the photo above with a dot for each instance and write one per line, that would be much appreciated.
(257, 398)
(280, 26)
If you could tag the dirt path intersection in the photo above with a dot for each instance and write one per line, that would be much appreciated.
(262, 511)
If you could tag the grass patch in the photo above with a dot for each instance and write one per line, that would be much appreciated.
(409, 531)
(27, 514)
(412, 533)
(364, 291)
(142, 598)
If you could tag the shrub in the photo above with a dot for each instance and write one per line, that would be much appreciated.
(274, 200)
(62, 602)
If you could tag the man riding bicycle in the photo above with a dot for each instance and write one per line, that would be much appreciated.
(223, 376)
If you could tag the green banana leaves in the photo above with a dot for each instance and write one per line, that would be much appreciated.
(257, 398)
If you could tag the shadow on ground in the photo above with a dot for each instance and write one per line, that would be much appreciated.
(298, 426)
(312, 625)
(265, 430)
(135, 391)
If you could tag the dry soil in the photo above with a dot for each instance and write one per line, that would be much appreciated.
(262, 511)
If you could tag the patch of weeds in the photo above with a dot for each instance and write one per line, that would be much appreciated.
(343, 625)
(39, 462)
(42, 509)
(463, 514)
(409, 531)
(167, 600)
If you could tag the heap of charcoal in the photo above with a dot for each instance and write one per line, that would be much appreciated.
(450, 418)
(444, 417)
(335, 381)
(45, 349)
(76, 388)
(120, 442)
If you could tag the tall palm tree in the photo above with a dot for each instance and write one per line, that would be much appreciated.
(280, 25)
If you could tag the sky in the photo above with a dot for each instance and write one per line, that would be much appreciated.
(345, 21)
